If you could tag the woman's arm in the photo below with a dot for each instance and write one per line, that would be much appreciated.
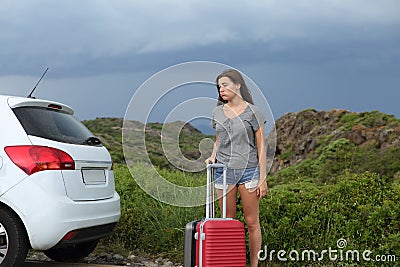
(262, 188)
(213, 156)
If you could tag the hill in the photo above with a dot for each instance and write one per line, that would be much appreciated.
(335, 176)
(323, 144)
(109, 131)
(356, 142)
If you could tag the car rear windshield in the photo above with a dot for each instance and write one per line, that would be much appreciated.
(54, 125)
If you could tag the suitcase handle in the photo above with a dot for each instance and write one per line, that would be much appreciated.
(210, 191)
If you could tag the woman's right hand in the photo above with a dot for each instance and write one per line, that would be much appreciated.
(210, 160)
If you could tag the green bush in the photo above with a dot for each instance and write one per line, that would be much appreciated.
(148, 225)
(342, 157)
(334, 159)
(361, 208)
(369, 119)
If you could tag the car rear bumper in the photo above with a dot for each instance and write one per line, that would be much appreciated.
(84, 235)
(48, 214)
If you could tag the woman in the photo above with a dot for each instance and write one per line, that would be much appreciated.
(239, 144)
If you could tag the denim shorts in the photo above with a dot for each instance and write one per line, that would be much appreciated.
(248, 176)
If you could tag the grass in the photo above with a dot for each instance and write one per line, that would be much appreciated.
(362, 208)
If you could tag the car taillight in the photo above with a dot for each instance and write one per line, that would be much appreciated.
(33, 159)
(70, 235)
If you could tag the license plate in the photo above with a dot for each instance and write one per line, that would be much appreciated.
(94, 176)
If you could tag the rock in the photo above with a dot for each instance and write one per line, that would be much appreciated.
(118, 257)
(109, 258)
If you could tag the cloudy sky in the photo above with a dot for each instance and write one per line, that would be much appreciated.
(320, 54)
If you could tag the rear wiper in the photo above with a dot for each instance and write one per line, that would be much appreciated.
(93, 141)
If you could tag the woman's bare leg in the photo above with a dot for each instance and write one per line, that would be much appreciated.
(250, 203)
(230, 201)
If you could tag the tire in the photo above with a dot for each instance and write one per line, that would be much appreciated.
(13, 239)
(73, 253)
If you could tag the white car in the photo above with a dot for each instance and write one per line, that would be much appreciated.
(57, 191)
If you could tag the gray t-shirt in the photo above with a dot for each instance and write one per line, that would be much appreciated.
(236, 146)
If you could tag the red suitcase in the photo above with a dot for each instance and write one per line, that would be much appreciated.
(220, 242)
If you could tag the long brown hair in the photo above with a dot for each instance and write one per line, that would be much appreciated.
(236, 78)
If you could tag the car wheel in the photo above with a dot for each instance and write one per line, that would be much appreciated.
(13, 240)
(72, 253)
